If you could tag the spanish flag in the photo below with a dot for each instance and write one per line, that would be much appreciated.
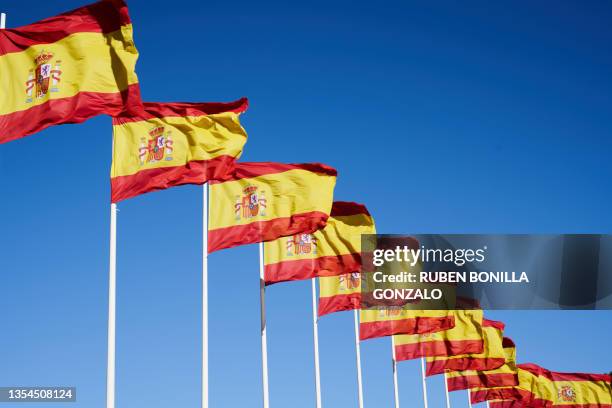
(265, 201)
(465, 338)
(339, 293)
(506, 375)
(331, 251)
(577, 390)
(67, 68)
(491, 358)
(530, 391)
(171, 144)
(390, 321)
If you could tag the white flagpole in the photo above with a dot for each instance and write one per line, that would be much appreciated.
(469, 399)
(424, 383)
(487, 404)
(205, 295)
(447, 395)
(358, 356)
(112, 285)
(2, 21)
(264, 337)
(395, 385)
(315, 336)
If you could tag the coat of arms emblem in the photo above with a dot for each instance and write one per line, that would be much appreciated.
(301, 244)
(251, 204)
(157, 147)
(44, 78)
(350, 281)
(567, 394)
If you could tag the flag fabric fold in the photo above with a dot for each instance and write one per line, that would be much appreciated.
(264, 201)
(464, 338)
(506, 375)
(491, 358)
(339, 293)
(171, 144)
(331, 251)
(67, 69)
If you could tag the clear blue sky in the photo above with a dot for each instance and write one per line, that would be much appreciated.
(450, 117)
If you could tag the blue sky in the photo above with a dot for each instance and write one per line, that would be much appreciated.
(489, 117)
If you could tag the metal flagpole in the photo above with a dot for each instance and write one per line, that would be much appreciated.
(112, 285)
(2, 21)
(205, 295)
(315, 335)
(469, 399)
(447, 395)
(358, 356)
(424, 383)
(264, 337)
(395, 385)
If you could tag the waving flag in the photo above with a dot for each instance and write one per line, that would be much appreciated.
(492, 357)
(265, 201)
(333, 250)
(170, 144)
(465, 338)
(577, 390)
(530, 391)
(67, 68)
(506, 375)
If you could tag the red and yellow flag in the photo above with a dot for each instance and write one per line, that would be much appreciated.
(67, 68)
(339, 293)
(506, 375)
(577, 390)
(265, 201)
(171, 144)
(465, 338)
(333, 250)
(491, 358)
(530, 391)
(390, 321)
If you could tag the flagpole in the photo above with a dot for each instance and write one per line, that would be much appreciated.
(395, 385)
(358, 356)
(469, 399)
(447, 395)
(315, 336)
(2, 21)
(112, 285)
(424, 383)
(264, 336)
(205, 295)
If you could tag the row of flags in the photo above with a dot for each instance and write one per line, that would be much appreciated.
(71, 67)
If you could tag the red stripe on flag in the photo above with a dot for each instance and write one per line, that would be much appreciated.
(256, 169)
(155, 110)
(463, 364)
(416, 325)
(339, 303)
(348, 208)
(310, 268)
(194, 172)
(482, 380)
(74, 109)
(438, 348)
(261, 231)
(100, 17)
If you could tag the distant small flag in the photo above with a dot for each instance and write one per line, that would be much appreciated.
(506, 375)
(265, 201)
(577, 390)
(67, 69)
(465, 338)
(491, 358)
(339, 293)
(530, 391)
(171, 144)
(331, 251)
